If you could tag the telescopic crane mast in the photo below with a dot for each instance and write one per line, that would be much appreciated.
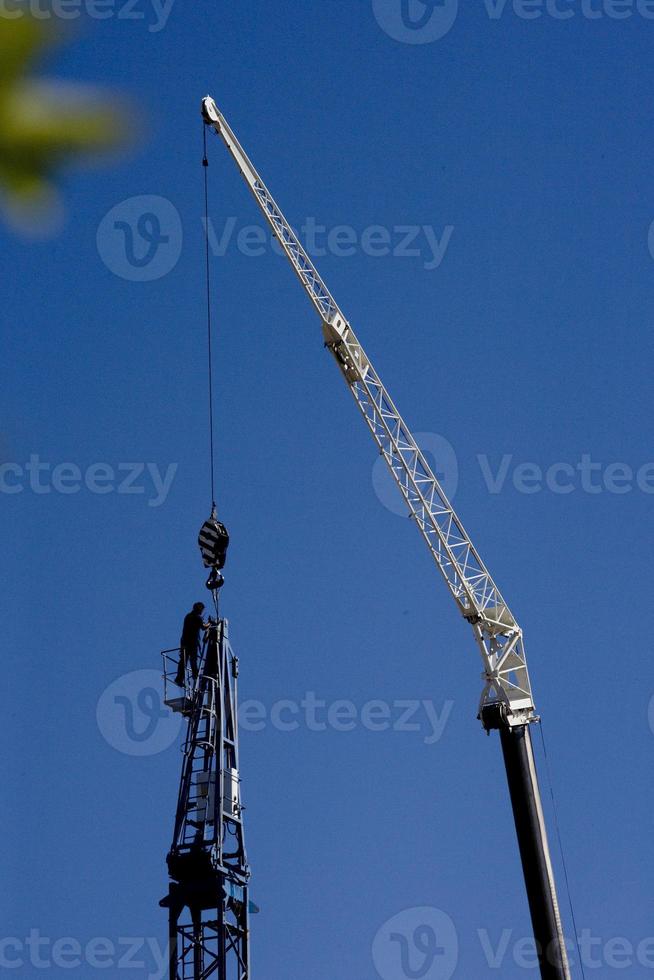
(506, 701)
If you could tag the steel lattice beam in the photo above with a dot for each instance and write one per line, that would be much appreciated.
(497, 633)
(207, 862)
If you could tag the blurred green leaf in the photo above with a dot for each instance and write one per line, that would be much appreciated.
(21, 40)
(45, 124)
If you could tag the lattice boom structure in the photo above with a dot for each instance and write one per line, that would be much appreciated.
(498, 636)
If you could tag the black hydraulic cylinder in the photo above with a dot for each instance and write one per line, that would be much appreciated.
(534, 851)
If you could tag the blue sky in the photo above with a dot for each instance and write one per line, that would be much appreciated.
(527, 341)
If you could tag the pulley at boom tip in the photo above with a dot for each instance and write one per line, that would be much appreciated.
(209, 111)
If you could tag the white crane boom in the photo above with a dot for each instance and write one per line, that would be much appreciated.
(499, 638)
(506, 700)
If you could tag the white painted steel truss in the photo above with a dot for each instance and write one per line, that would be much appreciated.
(498, 636)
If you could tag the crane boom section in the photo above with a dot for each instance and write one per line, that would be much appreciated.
(478, 598)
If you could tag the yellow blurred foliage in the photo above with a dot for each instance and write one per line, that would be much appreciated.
(44, 124)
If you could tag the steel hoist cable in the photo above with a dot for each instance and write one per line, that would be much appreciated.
(564, 865)
(213, 538)
(212, 464)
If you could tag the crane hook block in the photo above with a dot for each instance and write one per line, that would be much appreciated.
(213, 541)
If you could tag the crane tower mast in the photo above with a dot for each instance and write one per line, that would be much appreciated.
(506, 701)
(207, 902)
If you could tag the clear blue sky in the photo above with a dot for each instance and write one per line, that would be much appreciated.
(531, 139)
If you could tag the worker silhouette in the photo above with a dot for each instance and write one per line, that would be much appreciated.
(190, 643)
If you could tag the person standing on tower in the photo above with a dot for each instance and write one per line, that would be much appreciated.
(189, 643)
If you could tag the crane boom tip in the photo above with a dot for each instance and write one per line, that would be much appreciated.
(209, 110)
